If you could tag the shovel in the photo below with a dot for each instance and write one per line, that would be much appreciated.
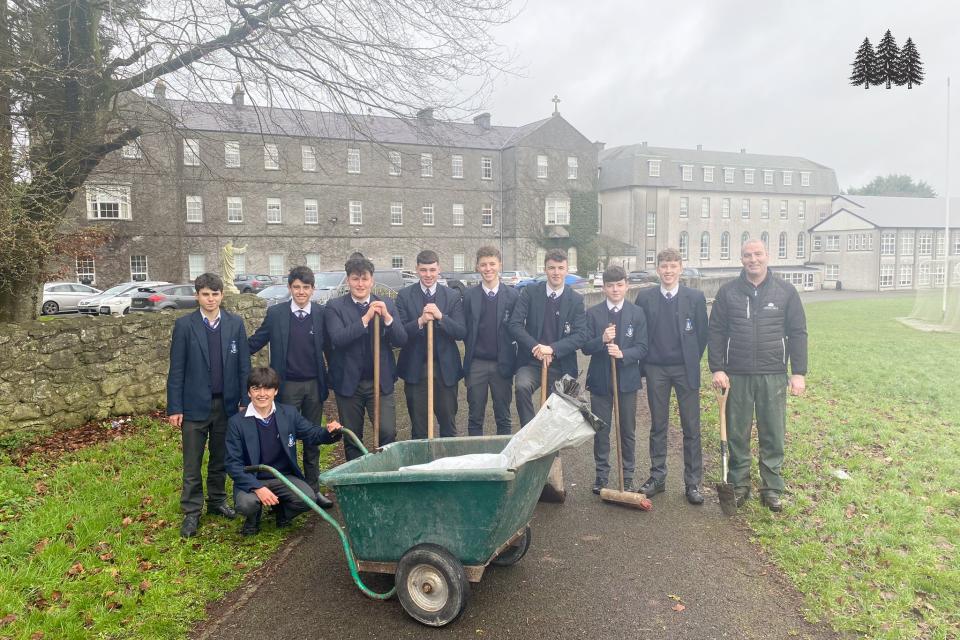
(430, 379)
(728, 501)
(553, 490)
(376, 381)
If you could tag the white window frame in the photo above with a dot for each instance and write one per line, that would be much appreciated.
(653, 168)
(196, 265)
(831, 272)
(396, 262)
(941, 244)
(886, 276)
(396, 163)
(353, 160)
(426, 165)
(486, 168)
(428, 214)
(802, 210)
(748, 176)
(274, 211)
(240, 263)
(888, 243)
(729, 175)
(705, 245)
(955, 241)
(308, 158)
(311, 211)
(725, 245)
(355, 209)
(745, 209)
(925, 243)
(801, 245)
(456, 166)
(725, 205)
(137, 269)
(573, 167)
(923, 274)
(231, 154)
(312, 260)
(744, 237)
(556, 211)
(237, 203)
(651, 256)
(784, 209)
(832, 242)
(191, 152)
(817, 243)
(194, 205)
(704, 207)
(765, 209)
(271, 157)
(396, 214)
(458, 262)
(276, 264)
(686, 172)
(486, 215)
(708, 174)
(651, 224)
(768, 177)
(907, 243)
(457, 218)
(104, 194)
(543, 167)
(782, 246)
(905, 277)
(787, 178)
(804, 178)
(684, 210)
(684, 245)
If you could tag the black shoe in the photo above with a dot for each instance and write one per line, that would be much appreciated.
(323, 501)
(223, 510)
(693, 495)
(189, 527)
(251, 525)
(772, 501)
(599, 484)
(652, 487)
(742, 494)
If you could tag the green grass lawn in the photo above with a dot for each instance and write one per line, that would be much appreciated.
(91, 547)
(875, 555)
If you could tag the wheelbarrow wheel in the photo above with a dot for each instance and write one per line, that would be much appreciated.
(432, 585)
(513, 553)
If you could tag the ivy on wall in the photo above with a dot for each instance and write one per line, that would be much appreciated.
(584, 224)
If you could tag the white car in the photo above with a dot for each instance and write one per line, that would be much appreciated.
(115, 300)
(598, 279)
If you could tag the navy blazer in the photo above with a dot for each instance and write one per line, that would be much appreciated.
(345, 331)
(243, 444)
(275, 330)
(692, 317)
(527, 322)
(412, 364)
(188, 380)
(632, 340)
(506, 345)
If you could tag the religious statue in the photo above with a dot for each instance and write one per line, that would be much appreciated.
(228, 269)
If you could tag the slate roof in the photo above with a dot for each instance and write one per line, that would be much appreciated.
(887, 212)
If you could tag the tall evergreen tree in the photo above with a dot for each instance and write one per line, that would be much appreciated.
(909, 66)
(888, 57)
(864, 66)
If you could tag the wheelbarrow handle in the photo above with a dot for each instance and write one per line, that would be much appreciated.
(355, 440)
(354, 572)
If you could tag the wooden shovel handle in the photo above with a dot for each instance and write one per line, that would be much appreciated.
(376, 381)
(543, 381)
(616, 418)
(430, 379)
(722, 399)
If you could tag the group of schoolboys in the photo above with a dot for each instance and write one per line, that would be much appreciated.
(251, 417)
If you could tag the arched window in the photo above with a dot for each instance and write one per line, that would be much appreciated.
(684, 245)
(801, 245)
(744, 238)
(725, 246)
(572, 259)
(705, 246)
(765, 239)
(782, 249)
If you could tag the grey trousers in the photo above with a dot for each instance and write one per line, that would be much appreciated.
(248, 503)
(483, 375)
(352, 409)
(527, 381)
(602, 406)
(305, 396)
(444, 408)
(196, 436)
(660, 381)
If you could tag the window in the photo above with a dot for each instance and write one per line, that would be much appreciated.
(782, 247)
(276, 265)
(906, 275)
(651, 224)
(541, 254)
(684, 245)
(486, 168)
(728, 174)
(684, 206)
(308, 158)
(704, 207)
(923, 274)
(744, 237)
(557, 211)
(542, 166)
(457, 215)
(818, 243)
(787, 177)
(925, 243)
(886, 275)
(833, 243)
(86, 271)
(234, 210)
(231, 154)
(196, 263)
(725, 245)
(686, 172)
(131, 150)
(802, 210)
(194, 209)
(804, 178)
(486, 215)
(191, 152)
(271, 157)
(456, 166)
(831, 272)
(764, 209)
(311, 212)
(427, 211)
(801, 245)
(396, 213)
(955, 236)
(784, 209)
(356, 212)
(888, 244)
(906, 243)
(768, 176)
(573, 167)
(572, 259)
(108, 202)
(353, 160)
(396, 262)
(708, 174)
(765, 239)
(274, 212)
(705, 246)
(396, 163)
(748, 176)
(860, 242)
(458, 262)
(941, 244)
(745, 209)
(651, 256)
(653, 168)
(239, 264)
(725, 208)
(313, 261)
(426, 165)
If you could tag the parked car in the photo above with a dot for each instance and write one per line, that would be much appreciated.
(597, 279)
(275, 294)
(573, 281)
(327, 285)
(115, 300)
(512, 278)
(642, 277)
(690, 273)
(461, 280)
(252, 283)
(409, 277)
(59, 297)
(160, 298)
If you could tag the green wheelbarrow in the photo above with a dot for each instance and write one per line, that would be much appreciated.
(435, 531)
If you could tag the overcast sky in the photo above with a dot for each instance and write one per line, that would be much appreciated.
(770, 76)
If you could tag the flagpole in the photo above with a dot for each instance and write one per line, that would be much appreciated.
(946, 221)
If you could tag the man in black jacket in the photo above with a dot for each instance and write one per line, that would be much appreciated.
(757, 325)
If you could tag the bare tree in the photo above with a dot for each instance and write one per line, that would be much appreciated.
(73, 75)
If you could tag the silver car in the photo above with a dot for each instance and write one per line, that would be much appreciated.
(59, 297)
(92, 304)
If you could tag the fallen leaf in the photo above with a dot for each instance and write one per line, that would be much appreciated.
(75, 570)
(678, 607)
(8, 619)
(56, 596)
(106, 557)
(37, 635)
(40, 546)
(40, 487)
(113, 605)
(127, 521)
(144, 586)
(850, 510)
(674, 597)
(145, 565)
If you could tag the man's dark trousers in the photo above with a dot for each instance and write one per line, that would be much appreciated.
(305, 396)
(249, 504)
(483, 375)
(602, 407)
(444, 407)
(195, 435)
(527, 381)
(660, 380)
(352, 408)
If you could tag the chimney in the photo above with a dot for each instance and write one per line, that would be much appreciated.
(160, 89)
(743, 150)
(599, 146)
(643, 145)
(425, 114)
(699, 147)
(238, 95)
(482, 120)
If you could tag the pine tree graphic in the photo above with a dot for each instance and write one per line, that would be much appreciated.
(909, 67)
(888, 58)
(864, 66)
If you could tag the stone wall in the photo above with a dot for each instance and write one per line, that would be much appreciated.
(65, 371)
